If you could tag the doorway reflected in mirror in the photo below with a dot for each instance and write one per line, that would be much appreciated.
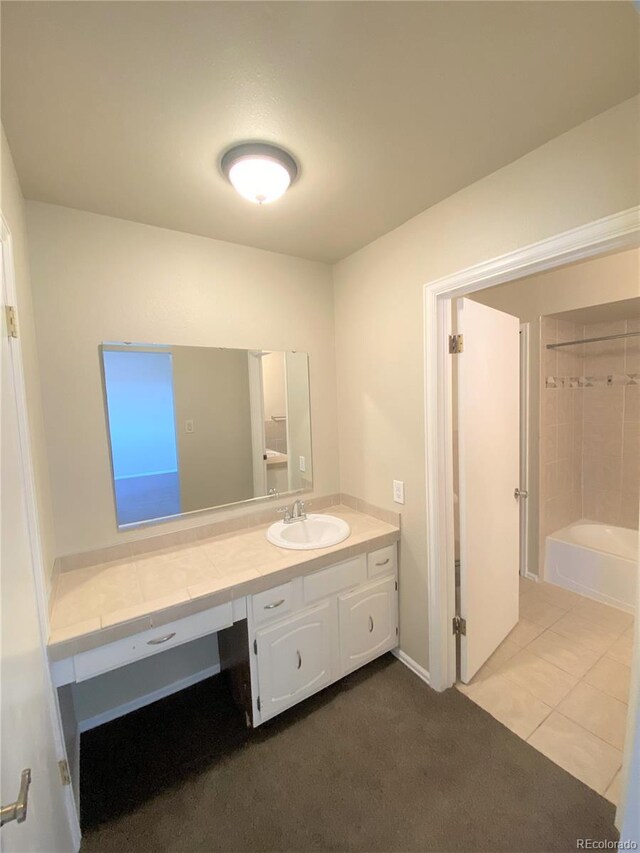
(193, 428)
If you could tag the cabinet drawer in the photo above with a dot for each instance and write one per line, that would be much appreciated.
(273, 603)
(151, 642)
(368, 621)
(382, 562)
(334, 579)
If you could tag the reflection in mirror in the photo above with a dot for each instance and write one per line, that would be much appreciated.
(193, 428)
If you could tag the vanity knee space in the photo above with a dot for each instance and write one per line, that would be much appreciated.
(311, 631)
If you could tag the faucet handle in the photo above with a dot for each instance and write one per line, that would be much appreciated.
(284, 510)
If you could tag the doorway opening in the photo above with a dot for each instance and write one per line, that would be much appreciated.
(560, 678)
(142, 431)
(543, 602)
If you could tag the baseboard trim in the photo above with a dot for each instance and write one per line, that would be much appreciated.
(147, 699)
(531, 577)
(409, 662)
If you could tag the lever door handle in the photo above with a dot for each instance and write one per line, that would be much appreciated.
(18, 811)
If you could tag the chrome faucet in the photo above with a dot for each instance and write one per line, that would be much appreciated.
(295, 513)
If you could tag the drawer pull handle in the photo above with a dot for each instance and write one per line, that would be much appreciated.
(299, 659)
(274, 604)
(161, 639)
(370, 624)
(383, 563)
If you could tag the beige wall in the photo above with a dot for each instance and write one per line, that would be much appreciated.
(13, 209)
(275, 405)
(594, 282)
(298, 427)
(215, 461)
(273, 385)
(587, 173)
(100, 279)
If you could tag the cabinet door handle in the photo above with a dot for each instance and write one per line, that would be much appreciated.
(274, 604)
(383, 563)
(370, 624)
(299, 659)
(161, 639)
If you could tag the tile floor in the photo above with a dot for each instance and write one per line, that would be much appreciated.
(560, 681)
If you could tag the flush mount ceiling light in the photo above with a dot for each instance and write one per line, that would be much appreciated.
(260, 172)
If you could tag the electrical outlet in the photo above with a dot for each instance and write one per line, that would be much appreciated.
(398, 491)
(303, 463)
(188, 426)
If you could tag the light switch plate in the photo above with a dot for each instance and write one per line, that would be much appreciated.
(303, 463)
(398, 491)
(188, 426)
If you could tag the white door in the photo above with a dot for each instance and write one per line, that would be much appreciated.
(294, 659)
(367, 620)
(27, 735)
(488, 435)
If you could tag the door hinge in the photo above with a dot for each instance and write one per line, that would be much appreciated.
(459, 626)
(396, 631)
(258, 703)
(456, 344)
(396, 586)
(255, 647)
(12, 321)
(65, 776)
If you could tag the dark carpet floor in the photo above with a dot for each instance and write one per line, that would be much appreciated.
(377, 762)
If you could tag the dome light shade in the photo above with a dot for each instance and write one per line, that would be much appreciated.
(261, 173)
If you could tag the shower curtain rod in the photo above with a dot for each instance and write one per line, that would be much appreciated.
(594, 340)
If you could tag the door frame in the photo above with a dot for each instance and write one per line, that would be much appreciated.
(33, 524)
(525, 479)
(613, 233)
(256, 407)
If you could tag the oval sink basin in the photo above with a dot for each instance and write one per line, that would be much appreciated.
(316, 531)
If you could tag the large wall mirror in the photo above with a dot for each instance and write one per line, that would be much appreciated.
(193, 428)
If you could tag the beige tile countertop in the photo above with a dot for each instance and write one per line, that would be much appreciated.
(98, 605)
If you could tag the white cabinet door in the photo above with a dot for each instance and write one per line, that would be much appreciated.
(294, 659)
(368, 623)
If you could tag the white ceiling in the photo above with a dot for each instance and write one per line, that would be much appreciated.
(124, 108)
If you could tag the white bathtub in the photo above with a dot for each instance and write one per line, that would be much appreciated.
(595, 559)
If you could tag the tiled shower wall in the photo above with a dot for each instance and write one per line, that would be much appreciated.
(589, 429)
(560, 430)
(610, 460)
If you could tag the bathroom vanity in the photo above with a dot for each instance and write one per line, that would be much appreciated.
(310, 631)
(288, 622)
